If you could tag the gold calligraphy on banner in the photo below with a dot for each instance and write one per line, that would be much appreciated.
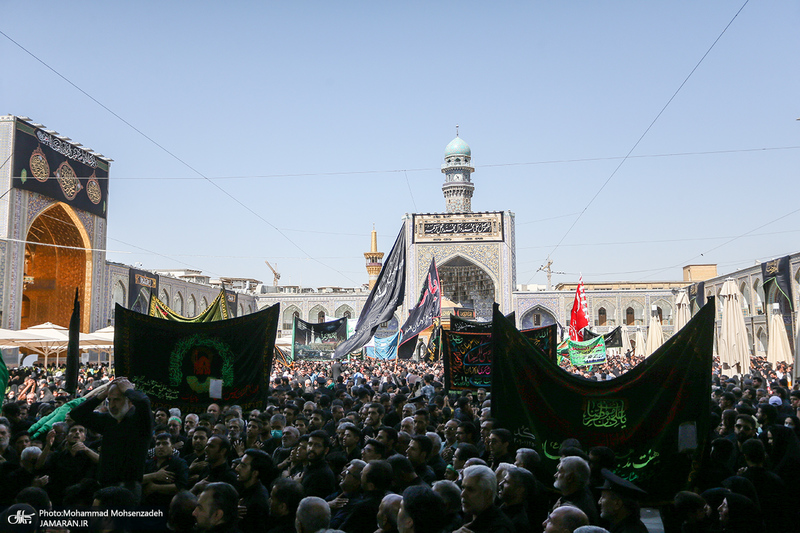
(605, 414)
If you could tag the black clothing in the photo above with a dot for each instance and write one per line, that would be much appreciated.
(318, 479)
(438, 465)
(284, 524)
(631, 524)
(363, 519)
(427, 474)
(256, 499)
(222, 473)
(491, 520)
(583, 500)
(518, 516)
(338, 516)
(65, 469)
(125, 443)
(173, 464)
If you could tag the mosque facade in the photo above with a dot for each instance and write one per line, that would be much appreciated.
(53, 235)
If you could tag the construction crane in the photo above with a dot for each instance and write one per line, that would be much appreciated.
(276, 274)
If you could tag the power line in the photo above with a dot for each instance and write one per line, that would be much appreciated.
(647, 130)
(174, 156)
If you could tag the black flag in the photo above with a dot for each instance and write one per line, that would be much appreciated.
(613, 338)
(428, 307)
(385, 298)
(73, 350)
(779, 272)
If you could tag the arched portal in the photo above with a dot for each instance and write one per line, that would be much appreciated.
(466, 283)
(538, 317)
(57, 261)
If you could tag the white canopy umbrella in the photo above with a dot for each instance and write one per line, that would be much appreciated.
(640, 343)
(626, 340)
(53, 340)
(10, 338)
(778, 350)
(732, 342)
(655, 335)
(682, 312)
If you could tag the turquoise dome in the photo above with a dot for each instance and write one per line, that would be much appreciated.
(457, 147)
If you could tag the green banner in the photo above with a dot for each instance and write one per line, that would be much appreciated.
(654, 416)
(586, 353)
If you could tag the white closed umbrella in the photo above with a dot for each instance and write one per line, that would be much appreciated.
(732, 342)
(655, 334)
(682, 312)
(778, 350)
(626, 339)
(640, 343)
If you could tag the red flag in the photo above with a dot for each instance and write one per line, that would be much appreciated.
(578, 317)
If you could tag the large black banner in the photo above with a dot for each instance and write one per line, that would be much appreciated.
(141, 284)
(779, 272)
(179, 364)
(59, 170)
(612, 339)
(385, 297)
(429, 306)
(459, 324)
(467, 355)
(317, 342)
(653, 416)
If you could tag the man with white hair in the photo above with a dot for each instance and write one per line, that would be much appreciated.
(572, 481)
(478, 493)
(127, 428)
(313, 514)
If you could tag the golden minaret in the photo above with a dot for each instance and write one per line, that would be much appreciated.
(373, 258)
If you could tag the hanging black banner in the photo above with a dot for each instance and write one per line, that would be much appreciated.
(779, 272)
(613, 339)
(653, 416)
(58, 169)
(385, 297)
(179, 364)
(141, 284)
(429, 307)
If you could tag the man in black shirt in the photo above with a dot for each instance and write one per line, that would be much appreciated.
(165, 474)
(318, 478)
(217, 450)
(254, 470)
(127, 428)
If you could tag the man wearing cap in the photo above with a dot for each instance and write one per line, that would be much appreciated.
(619, 504)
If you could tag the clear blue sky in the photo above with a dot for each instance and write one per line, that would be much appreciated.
(307, 113)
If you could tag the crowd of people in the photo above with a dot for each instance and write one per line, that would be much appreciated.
(369, 447)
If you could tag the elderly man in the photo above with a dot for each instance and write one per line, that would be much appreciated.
(478, 493)
(565, 519)
(313, 514)
(387, 513)
(572, 482)
(619, 504)
(127, 428)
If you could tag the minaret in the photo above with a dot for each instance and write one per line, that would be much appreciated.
(458, 187)
(373, 258)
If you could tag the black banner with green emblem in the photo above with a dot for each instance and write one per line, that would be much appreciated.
(654, 416)
(180, 364)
